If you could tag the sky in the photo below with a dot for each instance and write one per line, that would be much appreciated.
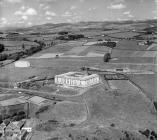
(21, 13)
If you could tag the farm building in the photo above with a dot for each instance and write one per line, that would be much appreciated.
(39, 101)
(12, 106)
(77, 79)
(22, 64)
(35, 103)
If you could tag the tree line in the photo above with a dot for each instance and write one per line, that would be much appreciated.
(17, 55)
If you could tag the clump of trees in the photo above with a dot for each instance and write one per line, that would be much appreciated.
(149, 134)
(107, 57)
(109, 44)
(17, 55)
(70, 37)
(63, 33)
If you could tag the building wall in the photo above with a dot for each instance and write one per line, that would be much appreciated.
(77, 82)
(10, 110)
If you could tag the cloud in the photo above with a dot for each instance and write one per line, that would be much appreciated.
(48, 13)
(14, 1)
(4, 20)
(27, 12)
(29, 23)
(73, 7)
(23, 7)
(126, 13)
(41, 5)
(46, 7)
(117, 6)
(92, 8)
(67, 14)
(118, 1)
(82, 0)
(122, 19)
(48, 18)
(24, 17)
(69, 20)
(130, 16)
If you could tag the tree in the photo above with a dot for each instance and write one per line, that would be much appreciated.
(1, 119)
(23, 46)
(107, 57)
(111, 44)
(1, 47)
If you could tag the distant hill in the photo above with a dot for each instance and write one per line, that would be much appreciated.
(48, 27)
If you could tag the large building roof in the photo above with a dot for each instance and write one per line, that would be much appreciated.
(10, 102)
(77, 75)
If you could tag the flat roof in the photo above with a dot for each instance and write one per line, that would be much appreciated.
(13, 101)
(37, 100)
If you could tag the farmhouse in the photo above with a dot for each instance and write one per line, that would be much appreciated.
(77, 79)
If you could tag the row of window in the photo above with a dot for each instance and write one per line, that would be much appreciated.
(72, 82)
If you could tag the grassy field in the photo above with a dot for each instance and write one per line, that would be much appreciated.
(18, 43)
(129, 111)
(148, 84)
(130, 45)
(133, 60)
(123, 86)
(70, 112)
(124, 34)
(60, 48)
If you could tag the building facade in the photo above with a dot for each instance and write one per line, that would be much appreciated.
(77, 79)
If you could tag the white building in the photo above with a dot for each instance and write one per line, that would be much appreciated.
(22, 64)
(77, 79)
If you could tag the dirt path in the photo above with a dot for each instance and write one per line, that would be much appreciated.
(152, 46)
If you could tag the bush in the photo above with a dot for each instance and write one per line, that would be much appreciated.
(42, 109)
(3, 57)
(70, 37)
(1, 47)
(14, 56)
